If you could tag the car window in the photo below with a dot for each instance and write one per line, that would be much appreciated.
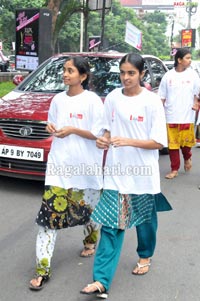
(47, 79)
(105, 75)
(147, 75)
(157, 72)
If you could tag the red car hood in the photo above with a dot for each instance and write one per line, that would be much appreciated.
(25, 105)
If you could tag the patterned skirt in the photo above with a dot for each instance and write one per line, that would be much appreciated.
(122, 211)
(180, 135)
(62, 208)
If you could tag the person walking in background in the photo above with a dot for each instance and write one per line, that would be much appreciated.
(72, 184)
(135, 131)
(178, 90)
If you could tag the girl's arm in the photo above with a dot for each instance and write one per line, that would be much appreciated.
(68, 130)
(195, 106)
(163, 100)
(104, 141)
(145, 144)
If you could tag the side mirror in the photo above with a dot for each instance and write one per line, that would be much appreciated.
(17, 79)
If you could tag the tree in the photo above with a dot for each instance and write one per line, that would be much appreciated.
(66, 25)
(62, 10)
(61, 13)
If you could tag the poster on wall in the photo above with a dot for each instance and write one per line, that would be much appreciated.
(27, 41)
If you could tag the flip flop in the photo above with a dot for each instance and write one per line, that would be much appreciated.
(140, 266)
(39, 287)
(87, 254)
(100, 294)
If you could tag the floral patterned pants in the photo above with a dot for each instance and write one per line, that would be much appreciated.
(86, 200)
(45, 243)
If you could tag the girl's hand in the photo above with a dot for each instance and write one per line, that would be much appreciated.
(195, 107)
(120, 141)
(50, 128)
(63, 132)
(103, 142)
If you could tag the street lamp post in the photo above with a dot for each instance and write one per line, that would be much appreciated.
(191, 9)
(102, 24)
(92, 5)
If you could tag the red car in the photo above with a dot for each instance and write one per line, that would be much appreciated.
(24, 142)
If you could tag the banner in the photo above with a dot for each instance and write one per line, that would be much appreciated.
(188, 37)
(94, 43)
(133, 36)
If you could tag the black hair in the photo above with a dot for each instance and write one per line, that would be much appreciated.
(180, 55)
(82, 66)
(134, 59)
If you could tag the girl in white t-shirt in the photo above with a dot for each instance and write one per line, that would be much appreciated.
(136, 130)
(179, 89)
(73, 176)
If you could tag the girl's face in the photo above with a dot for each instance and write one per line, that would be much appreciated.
(185, 61)
(130, 76)
(71, 75)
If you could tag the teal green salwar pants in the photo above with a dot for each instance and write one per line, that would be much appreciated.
(107, 255)
(109, 249)
(146, 236)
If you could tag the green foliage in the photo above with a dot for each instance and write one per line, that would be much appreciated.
(66, 35)
(154, 40)
(6, 87)
(153, 27)
(67, 11)
(69, 36)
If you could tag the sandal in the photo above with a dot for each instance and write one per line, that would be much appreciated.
(139, 268)
(88, 251)
(44, 279)
(188, 164)
(96, 287)
(172, 174)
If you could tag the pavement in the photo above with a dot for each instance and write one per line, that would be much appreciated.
(175, 268)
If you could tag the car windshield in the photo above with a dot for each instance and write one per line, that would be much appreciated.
(48, 78)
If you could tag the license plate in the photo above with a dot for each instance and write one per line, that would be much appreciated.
(24, 153)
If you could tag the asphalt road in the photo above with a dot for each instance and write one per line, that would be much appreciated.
(175, 269)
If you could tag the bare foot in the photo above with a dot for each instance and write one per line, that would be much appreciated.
(188, 164)
(172, 174)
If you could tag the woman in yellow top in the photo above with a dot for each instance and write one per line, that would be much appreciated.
(179, 89)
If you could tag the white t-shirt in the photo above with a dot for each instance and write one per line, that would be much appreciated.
(179, 89)
(131, 169)
(73, 161)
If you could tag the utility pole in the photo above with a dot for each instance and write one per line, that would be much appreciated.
(86, 15)
(92, 5)
(191, 9)
(102, 24)
(81, 28)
